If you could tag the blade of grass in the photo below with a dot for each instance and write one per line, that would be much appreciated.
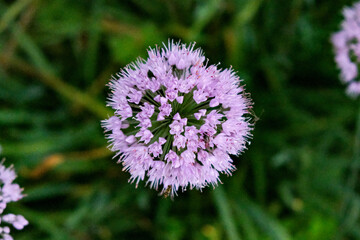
(260, 179)
(12, 13)
(223, 206)
(246, 222)
(32, 49)
(97, 85)
(94, 32)
(26, 18)
(66, 90)
(235, 34)
(46, 224)
(247, 13)
(203, 16)
(273, 229)
(348, 205)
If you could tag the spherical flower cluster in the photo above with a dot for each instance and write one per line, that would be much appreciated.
(177, 120)
(9, 192)
(347, 49)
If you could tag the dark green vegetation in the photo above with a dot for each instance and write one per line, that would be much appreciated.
(297, 180)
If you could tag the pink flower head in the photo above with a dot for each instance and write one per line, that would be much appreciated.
(156, 147)
(179, 141)
(173, 158)
(9, 192)
(346, 44)
(177, 119)
(177, 126)
(191, 133)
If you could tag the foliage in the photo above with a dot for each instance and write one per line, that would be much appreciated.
(297, 180)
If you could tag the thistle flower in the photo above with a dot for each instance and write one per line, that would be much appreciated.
(177, 119)
(346, 44)
(9, 192)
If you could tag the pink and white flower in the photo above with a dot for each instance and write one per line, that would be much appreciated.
(177, 119)
(346, 44)
(9, 192)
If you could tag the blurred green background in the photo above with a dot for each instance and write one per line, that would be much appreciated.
(297, 180)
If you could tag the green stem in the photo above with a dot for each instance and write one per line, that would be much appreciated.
(150, 99)
(163, 124)
(167, 146)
